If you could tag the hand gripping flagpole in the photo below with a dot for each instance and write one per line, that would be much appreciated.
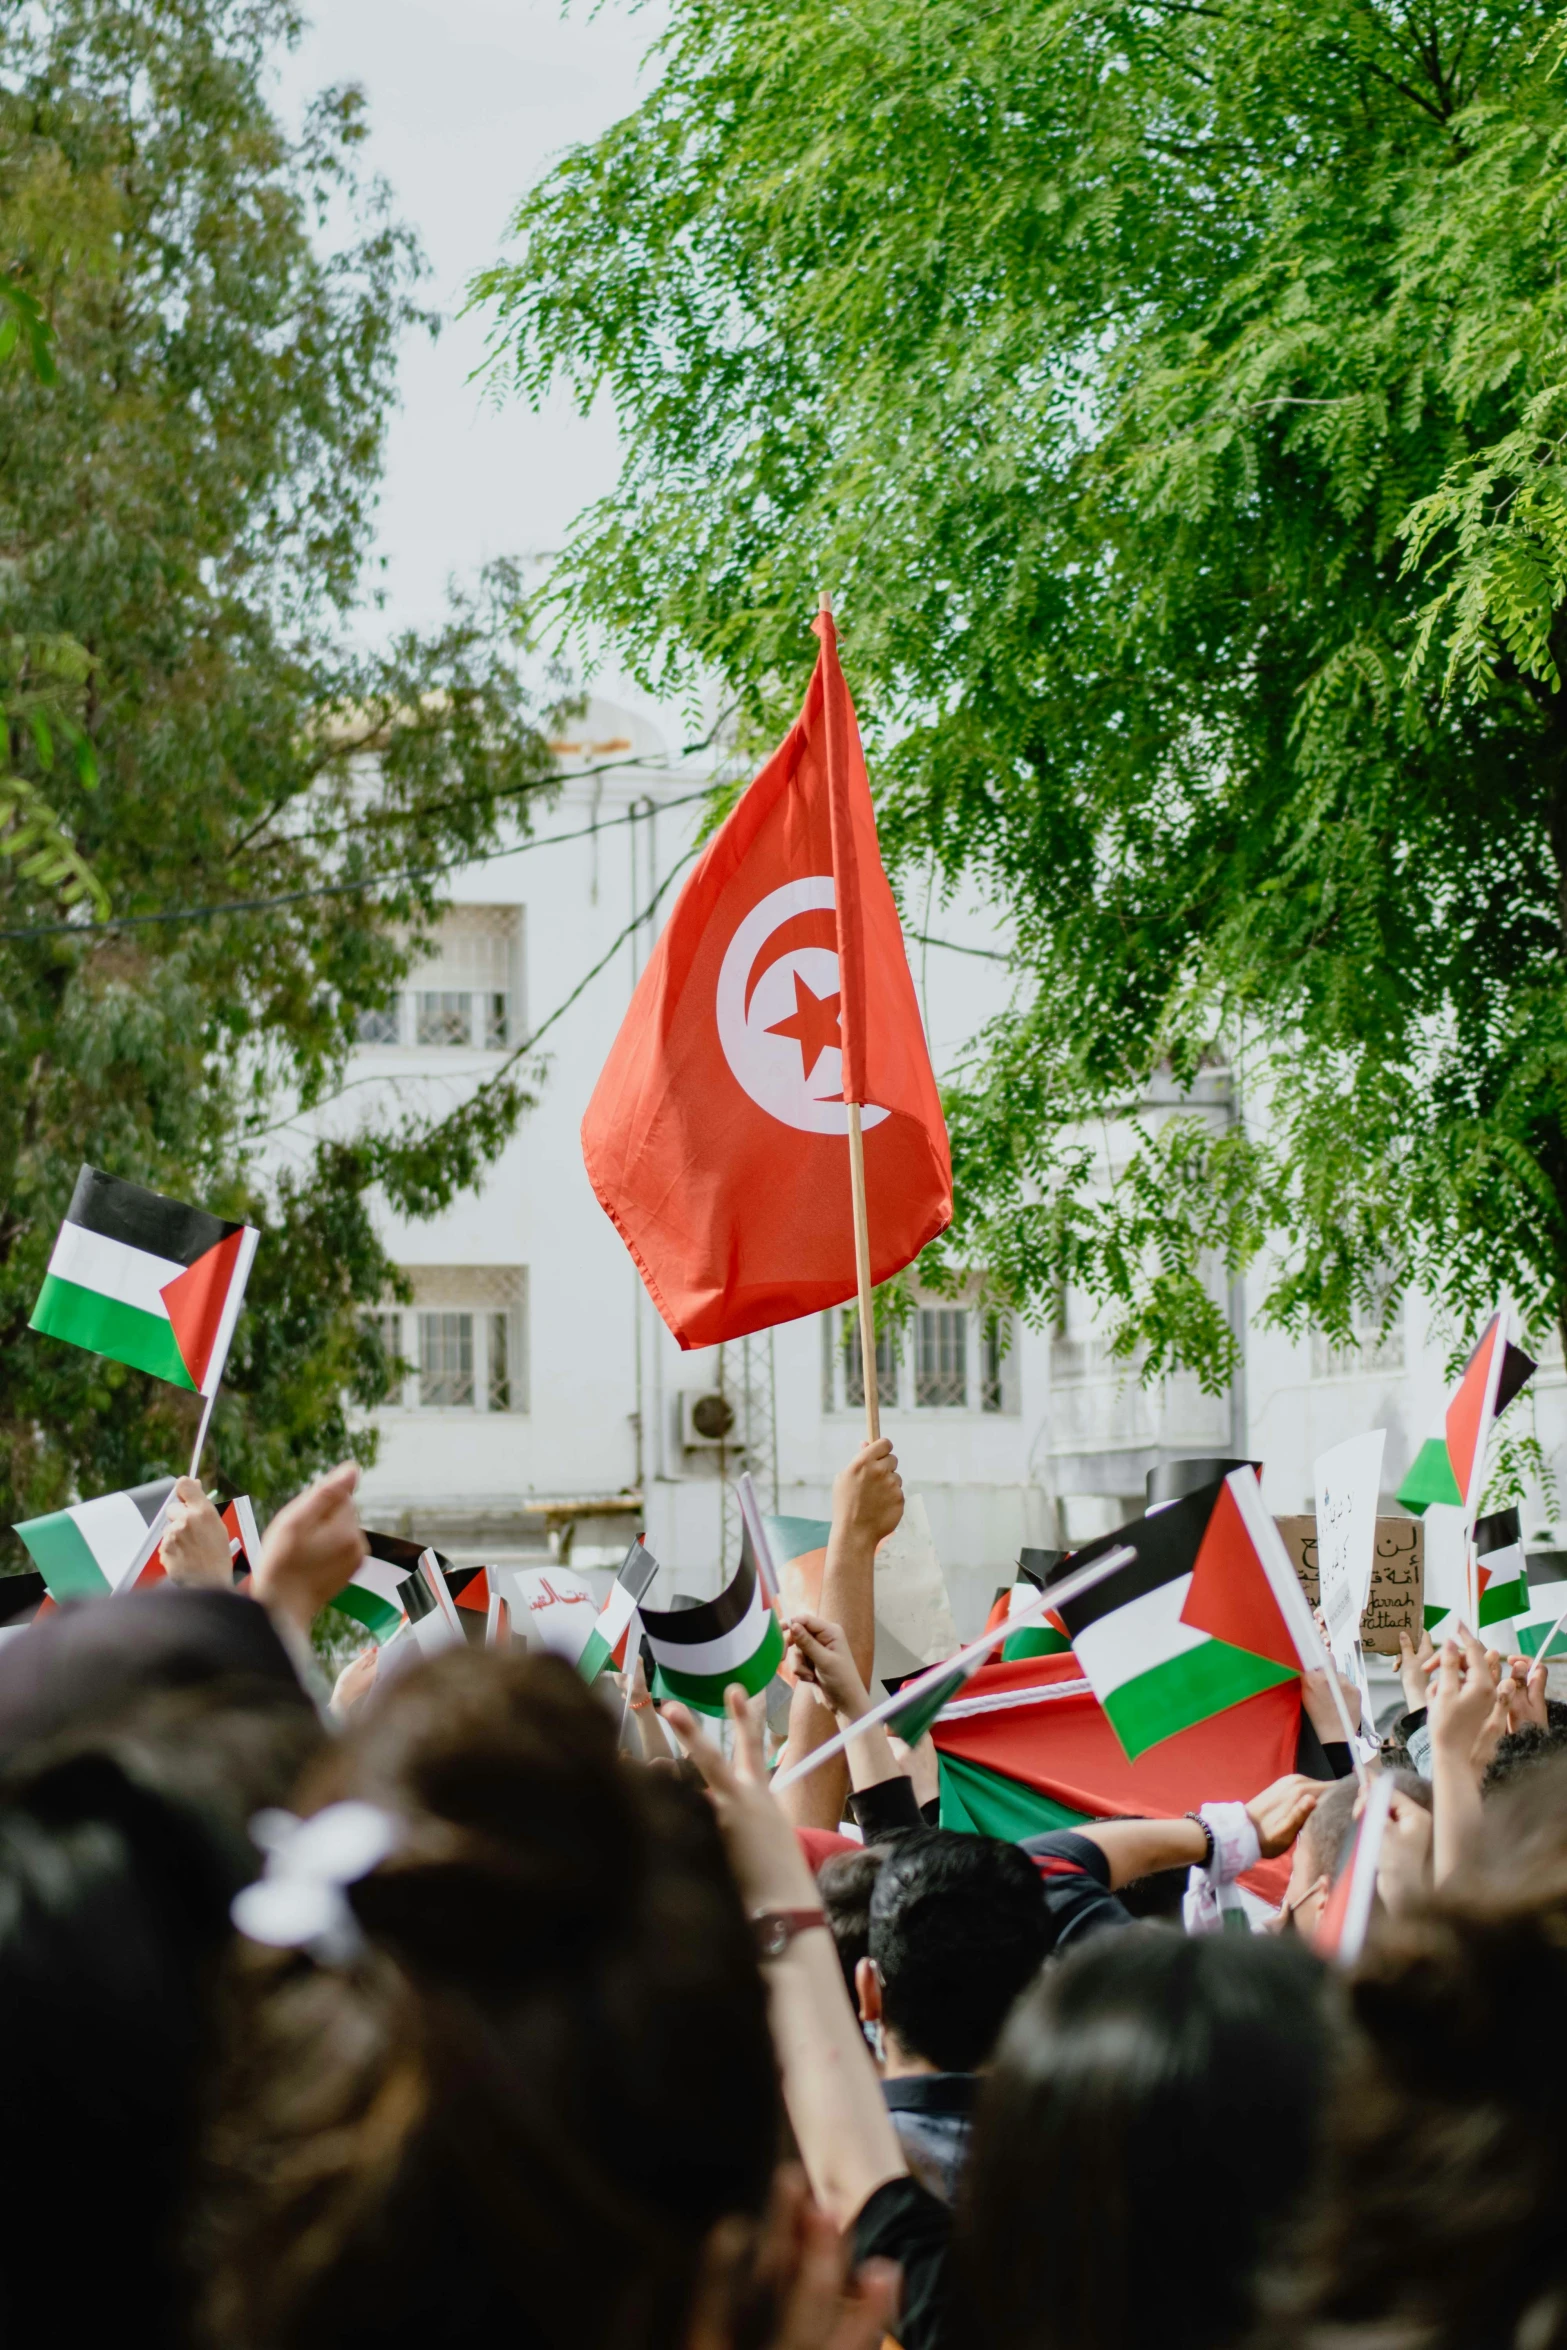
(843, 881)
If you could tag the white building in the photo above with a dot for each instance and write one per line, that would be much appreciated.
(548, 1409)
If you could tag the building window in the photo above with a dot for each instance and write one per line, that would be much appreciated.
(960, 1358)
(1371, 1350)
(465, 1339)
(941, 1358)
(442, 1015)
(854, 1364)
(994, 1337)
(388, 1328)
(445, 1361)
(465, 989)
(382, 1024)
(498, 1369)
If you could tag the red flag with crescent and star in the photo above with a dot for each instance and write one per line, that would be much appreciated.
(717, 1136)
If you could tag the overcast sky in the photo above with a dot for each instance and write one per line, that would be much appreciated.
(469, 100)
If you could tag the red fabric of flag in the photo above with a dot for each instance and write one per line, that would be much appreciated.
(716, 1138)
(1231, 1598)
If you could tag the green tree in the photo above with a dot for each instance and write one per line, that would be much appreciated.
(1173, 396)
(190, 445)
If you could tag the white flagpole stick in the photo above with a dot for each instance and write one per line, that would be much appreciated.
(201, 1433)
(1070, 1587)
(1363, 1879)
(862, 1274)
(1299, 1621)
(761, 1548)
(862, 1222)
(1544, 1650)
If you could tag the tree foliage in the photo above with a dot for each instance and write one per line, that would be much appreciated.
(1173, 397)
(190, 445)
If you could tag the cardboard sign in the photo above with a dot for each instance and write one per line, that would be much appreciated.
(1397, 1596)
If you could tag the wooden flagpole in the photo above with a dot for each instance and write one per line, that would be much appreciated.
(862, 1273)
(862, 1221)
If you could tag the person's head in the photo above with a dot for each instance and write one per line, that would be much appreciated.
(1520, 1751)
(1440, 2223)
(958, 1927)
(516, 2111)
(114, 1902)
(1148, 2126)
(1316, 1855)
(845, 1883)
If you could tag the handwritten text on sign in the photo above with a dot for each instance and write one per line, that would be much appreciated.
(1397, 1577)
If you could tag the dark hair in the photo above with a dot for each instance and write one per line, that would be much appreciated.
(1149, 2124)
(1447, 2172)
(958, 1927)
(113, 1914)
(845, 1884)
(520, 2112)
(1522, 1750)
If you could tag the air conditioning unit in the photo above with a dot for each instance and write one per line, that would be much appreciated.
(706, 1422)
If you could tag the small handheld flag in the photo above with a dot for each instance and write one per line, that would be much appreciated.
(608, 1636)
(910, 1710)
(374, 1595)
(1341, 1929)
(1450, 1465)
(433, 1621)
(1502, 1572)
(146, 1281)
(107, 1544)
(699, 1651)
(556, 1610)
(497, 1621)
(239, 1524)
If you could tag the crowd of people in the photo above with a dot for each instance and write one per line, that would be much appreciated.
(471, 2004)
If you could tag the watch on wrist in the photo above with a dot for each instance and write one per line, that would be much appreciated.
(775, 1929)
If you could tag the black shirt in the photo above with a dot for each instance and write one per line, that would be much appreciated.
(902, 2222)
(1076, 1878)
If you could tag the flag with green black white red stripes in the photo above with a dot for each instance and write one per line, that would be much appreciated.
(107, 1544)
(614, 1619)
(1503, 1572)
(374, 1597)
(1207, 1614)
(699, 1651)
(146, 1281)
(1450, 1465)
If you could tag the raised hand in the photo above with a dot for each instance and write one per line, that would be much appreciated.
(194, 1546)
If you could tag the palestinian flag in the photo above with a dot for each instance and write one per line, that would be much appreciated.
(699, 1651)
(1201, 1619)
(1346, 1914)
(1450, 1465)
(1545, 1602)
(1044, 1636)
(433, 1622)
(146, 1281)
(1503, 1574)
(1027, 1747)
(239, 1524)
(471, 1587)
(107, 1544)
(497, 1621)
(374, 1594)
(614, 1619)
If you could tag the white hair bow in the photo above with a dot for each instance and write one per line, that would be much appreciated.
(300, 1902)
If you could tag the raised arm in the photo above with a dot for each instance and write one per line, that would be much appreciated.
(841, 2125)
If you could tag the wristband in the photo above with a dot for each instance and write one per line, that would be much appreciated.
(775, 1929)
(1236, 1847)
